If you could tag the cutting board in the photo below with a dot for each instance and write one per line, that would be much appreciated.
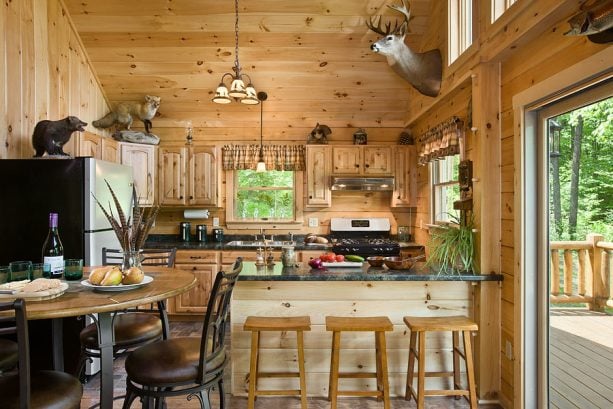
(342, 264)
(37, 296)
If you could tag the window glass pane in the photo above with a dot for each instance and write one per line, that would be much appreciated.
(460, 27)
(445, 188)
(264, 195)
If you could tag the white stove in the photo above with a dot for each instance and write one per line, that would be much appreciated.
(363, 236)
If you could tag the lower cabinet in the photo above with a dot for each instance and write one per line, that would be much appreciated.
(204, 265)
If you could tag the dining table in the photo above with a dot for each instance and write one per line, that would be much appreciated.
(102, 304)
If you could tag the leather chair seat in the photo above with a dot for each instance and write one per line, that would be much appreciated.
(8, 354)
(170, 361)
(49, 389)
(130, 329)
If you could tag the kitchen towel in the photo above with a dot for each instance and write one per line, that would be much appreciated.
(195, 214)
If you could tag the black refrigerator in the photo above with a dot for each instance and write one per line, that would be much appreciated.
(33, 188)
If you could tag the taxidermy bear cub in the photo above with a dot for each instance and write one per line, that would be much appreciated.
(124, 114)
(51, 136)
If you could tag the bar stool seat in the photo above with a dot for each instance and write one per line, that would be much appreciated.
(419, 326)
(378, 325)
(259, 324)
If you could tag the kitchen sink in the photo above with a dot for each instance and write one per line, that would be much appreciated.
(259, 243)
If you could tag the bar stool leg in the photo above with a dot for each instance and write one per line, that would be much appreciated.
(303, 392)
(456, 360)
(253, 368)
(378, 367)
(470, 368)
(334, 364)
(411, 369)
(421, 368)
(382, 368)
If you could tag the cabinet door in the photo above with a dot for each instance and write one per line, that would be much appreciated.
(377, 160)
(90, 145)
(204, 176)
(195, 300)
(405, 171)
(318, 175)
(110, 150)
(346, 160)
(172, 175)
(142, 159)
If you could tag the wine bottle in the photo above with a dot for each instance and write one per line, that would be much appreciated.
(53, 251)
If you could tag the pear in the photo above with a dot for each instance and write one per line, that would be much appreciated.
(97, 274)
(112, 277)
(133, 275)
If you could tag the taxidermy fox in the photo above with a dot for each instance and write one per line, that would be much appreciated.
(125, 112)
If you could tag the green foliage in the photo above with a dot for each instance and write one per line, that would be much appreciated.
(265, 195)
(595, 199)
(452, 249)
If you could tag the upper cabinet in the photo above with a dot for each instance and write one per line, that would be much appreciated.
(142, 159)
(405, 172)
(96, 146)
(317, 176)
(110, 150)
(189, 175)
(362, 160)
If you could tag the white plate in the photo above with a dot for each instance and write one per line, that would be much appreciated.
(342, 264)
(120, 287)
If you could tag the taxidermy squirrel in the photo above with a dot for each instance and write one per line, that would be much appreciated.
(51, 136)
(125, 112)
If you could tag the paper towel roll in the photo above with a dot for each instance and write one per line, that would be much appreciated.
(195, 214)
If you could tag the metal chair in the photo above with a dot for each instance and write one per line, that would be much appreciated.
(37, 389)
(186, 366)
(135, 327)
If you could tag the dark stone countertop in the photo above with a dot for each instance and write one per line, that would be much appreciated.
(164, 241)
(302, 272)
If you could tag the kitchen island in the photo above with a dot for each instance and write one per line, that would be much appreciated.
(362, 291)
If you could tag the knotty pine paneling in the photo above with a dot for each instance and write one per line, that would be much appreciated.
(44, 73)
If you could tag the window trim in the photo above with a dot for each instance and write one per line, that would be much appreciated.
(238, 224)
(433, 186)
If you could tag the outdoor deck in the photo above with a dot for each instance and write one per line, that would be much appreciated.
(581, 359)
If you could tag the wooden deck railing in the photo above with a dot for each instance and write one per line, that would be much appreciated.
(586, 272)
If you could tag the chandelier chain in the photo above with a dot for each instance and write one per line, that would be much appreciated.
(236, 62)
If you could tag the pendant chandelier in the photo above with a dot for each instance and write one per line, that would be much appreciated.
(261, 166)
(238, 90)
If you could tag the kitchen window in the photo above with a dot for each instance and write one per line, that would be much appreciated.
(499, 7)
(445, 188)
(272, 197)
(460, 28)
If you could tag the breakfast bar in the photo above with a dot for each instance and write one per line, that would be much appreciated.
(353, 292)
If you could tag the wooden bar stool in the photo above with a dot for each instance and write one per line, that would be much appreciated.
(419, 326)
(378, 325)
(258, 324)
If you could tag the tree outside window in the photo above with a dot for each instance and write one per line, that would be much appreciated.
(445, 188)
(264, 195)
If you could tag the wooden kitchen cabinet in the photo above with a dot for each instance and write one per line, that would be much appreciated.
(110, 150)
(204, 265)
(317, 177)
(405, 171)
(89, 144)
(189, 175)
(142, 159)
(362, 160)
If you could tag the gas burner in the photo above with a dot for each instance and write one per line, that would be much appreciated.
(365, 237)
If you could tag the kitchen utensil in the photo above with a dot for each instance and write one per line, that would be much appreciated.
(400, 263)
(403, 233)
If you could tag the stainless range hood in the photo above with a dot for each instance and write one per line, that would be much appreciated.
(372, 184)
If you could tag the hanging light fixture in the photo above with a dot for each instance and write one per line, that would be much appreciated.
(261, 166)
(238, 90)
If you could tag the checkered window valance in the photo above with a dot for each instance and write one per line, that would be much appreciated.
(277, 157)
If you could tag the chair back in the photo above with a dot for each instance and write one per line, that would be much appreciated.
(212, 343)
(149, 257)
(18, 324)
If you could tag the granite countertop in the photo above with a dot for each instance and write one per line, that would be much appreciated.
(164, 241)
(302, 272)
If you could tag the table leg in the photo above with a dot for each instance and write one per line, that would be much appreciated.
(106, 340)
(57, 328)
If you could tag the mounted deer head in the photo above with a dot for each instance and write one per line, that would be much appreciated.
(423, 71)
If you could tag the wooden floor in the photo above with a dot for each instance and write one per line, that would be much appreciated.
(581, 360)
(91, 392)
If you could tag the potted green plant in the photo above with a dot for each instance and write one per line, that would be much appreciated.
(452, 247)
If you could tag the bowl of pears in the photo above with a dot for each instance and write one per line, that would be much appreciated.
(107, 276)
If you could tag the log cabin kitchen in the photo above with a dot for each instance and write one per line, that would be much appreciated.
(317, 153)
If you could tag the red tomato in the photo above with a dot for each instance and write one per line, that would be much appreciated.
(340, 258)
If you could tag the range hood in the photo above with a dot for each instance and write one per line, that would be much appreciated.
(373, 184)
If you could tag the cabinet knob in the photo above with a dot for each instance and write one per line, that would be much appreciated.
(180, 197)
(310, 197)
(191, 197)
(357, 166)
(366, 165)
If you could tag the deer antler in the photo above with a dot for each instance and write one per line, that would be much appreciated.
(375, 25)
